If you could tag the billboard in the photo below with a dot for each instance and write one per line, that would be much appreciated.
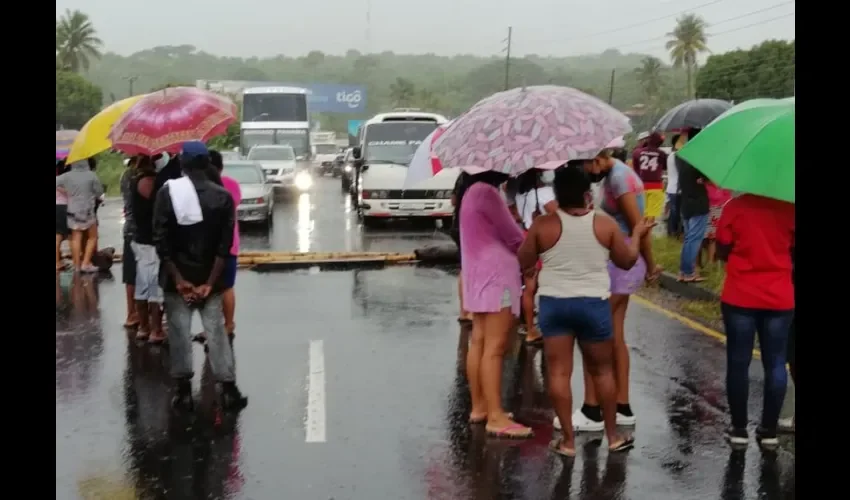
(323, 98)
(353, 127)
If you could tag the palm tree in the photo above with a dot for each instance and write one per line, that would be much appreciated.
(650, 77)
(76, 41)
(687, 41)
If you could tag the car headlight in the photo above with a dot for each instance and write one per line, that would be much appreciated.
(253, 201)
(303, 181)
(445, 194)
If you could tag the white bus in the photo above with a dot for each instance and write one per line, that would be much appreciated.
(387, 142)
(276, 116)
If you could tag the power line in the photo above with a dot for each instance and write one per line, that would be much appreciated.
(764, 21)
(648, 21)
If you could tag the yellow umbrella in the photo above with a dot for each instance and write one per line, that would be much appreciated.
(93, 137)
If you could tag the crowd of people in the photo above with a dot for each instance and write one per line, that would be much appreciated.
(545, 237)
(181, 243)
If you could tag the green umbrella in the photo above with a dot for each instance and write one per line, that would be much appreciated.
(749, 148)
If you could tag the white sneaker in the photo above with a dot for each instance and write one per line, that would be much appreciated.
(626, 421)
(583, 424)
(786, 425)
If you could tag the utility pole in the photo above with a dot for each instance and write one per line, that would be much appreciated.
(368, 26)
(130, 81)
(507, 51)
(611, 88)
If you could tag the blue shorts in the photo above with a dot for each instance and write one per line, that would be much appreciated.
(587, 318)
(229, 272)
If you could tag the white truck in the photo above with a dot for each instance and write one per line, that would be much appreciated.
(325, 151)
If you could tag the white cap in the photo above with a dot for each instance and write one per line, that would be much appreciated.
(643, 135)
(126, 161)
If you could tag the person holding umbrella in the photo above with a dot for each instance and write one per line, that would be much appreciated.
(504, 135)
(751, 149)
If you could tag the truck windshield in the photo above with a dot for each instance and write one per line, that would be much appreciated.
(395, 142)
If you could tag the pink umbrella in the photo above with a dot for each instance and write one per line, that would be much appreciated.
(425, 163)
(162, 121)
(531, 127)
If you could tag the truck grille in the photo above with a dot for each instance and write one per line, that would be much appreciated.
(411, 194)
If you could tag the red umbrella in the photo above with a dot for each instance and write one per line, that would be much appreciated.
(164, 120)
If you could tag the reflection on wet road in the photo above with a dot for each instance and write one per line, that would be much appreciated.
(355, 394)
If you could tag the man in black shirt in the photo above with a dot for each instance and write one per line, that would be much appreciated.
(694, 210)
(193, 247)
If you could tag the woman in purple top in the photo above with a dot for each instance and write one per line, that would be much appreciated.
(492, 289)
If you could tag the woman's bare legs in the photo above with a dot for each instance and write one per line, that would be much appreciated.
(600, 360)
(473, 368)
(228, 306)
(497, 327)
(528, 309)
(559, 367)
(464, 314)
(76, 248)
(711, 251)
(59, 239)
(91, 245)
(619, 305)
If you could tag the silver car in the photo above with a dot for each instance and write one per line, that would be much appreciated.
(257, 201)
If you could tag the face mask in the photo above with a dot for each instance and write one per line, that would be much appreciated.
(161, 162)
(547, 177)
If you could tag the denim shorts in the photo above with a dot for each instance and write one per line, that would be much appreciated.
(587, 318)
(229, 272)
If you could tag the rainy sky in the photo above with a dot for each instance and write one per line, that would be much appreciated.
(545, 27)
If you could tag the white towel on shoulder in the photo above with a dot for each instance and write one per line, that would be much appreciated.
(184, 201)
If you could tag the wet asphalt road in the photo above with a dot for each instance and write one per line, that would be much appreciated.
(389, 421)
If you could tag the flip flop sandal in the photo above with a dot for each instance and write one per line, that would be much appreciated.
(483, 420)
(505, 432)
(555, 447)
(157, 341)
(537, 343)
(626, 445)
(142, 336)
(693, 279)
(131, 325)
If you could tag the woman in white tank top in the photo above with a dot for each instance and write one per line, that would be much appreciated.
(575, 244)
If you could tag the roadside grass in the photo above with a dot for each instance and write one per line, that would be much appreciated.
(708, 310)
(667, 252)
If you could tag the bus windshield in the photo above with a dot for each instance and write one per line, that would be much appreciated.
(274, 107)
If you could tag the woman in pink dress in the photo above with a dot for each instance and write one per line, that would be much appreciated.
(492, 290)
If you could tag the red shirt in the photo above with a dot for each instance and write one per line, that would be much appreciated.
(758, 271)
(650, 163)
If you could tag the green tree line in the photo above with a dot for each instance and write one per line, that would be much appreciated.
(643, 85)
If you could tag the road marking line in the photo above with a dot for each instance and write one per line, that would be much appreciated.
(315, 423)
(687, 322)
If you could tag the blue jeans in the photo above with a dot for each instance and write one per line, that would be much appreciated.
(674, 218)
(772, 327)
(694, 234)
